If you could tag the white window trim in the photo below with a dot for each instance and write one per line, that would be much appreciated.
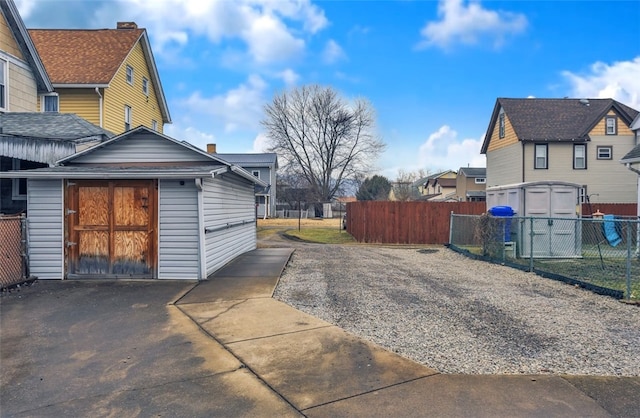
(145, 86)
(480, 180)
(606, 125)
(126, 74)
(42, 96)
(535, 156)
(583, 157)
(154, 125)
(128, 116)
(5, 63)
(601, 147)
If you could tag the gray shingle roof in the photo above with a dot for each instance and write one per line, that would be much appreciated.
(250, 160)
(556, 119)
(632, 156)
(473, 171)
(49, 125)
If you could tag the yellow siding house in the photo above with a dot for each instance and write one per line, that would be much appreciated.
(107, 76)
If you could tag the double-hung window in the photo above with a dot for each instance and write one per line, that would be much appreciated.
(3, 84)
(605, 153)
(541, 156)
(145, 86)
(579, 157)
(127, 117)
(129, 74)
(612, 128)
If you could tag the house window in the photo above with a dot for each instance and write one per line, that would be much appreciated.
(579, 157)
(605, 153)
(256, 173)
(19, 186)
(50, 103)
(130, 74)
(541, 160)
(481, 180)
(501, 125)
(612, 128)
(145, 86)
(154, 125)
(127, 117)
(3, 85)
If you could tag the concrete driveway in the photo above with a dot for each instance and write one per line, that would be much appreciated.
(118, 349)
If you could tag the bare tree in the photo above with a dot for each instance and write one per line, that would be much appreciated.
(322, 137)
(403, 189)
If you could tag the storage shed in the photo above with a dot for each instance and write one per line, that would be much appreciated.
(551, 209)
(140, 205)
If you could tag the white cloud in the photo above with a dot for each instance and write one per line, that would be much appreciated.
(289, 77)
(269, 30)
(620, 81)
(190, 134)
(468, 22)
(261, 143)
(443, 150)
(238, 108)
(332, 52)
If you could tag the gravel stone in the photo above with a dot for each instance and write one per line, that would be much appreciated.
(458, 315)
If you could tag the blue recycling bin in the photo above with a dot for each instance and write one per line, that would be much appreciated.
(504, 212)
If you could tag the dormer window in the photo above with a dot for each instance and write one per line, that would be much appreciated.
(129, 74)
(612, 126)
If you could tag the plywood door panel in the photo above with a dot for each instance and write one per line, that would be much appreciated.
(111, 228)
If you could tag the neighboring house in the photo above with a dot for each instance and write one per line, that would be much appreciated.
(440, 186)
(262, 166)
(401, 191)
(107, 76)
(572, 140)
(116, 210)
(31, 140)
(471, 184)
(22, 74)
(632, 159)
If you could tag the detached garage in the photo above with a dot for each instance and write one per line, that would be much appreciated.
(141, 205)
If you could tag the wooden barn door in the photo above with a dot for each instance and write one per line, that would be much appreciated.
(111, 228)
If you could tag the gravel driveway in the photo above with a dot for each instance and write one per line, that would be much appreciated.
(458, 315)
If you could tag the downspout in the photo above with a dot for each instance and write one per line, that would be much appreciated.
(201, 243)
(100, 105)
(523, 160)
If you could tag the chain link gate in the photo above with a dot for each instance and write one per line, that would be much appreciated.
(13, 250)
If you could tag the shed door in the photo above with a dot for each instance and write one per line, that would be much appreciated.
(111, 228)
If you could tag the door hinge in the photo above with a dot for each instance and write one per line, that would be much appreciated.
(70, 211)
(71, 244)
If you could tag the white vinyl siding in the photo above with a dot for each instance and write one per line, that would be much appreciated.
(541, 156)
(504, 165)
(178, 241)
(229, 215)
(45, 228)
(143, 147)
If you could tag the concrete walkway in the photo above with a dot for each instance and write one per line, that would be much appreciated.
(318, 370)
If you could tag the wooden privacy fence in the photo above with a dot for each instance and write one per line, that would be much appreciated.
(405, 222)
(618, 209)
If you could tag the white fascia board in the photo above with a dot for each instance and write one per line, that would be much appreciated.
(244, 173)
(125, 174)
(80, 86)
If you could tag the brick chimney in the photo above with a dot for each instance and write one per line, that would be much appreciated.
(211, 148)
(127, 25)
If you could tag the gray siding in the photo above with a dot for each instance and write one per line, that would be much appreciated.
(142, 147)
(46, 228)
(228, 201)
(178, 241)
(504, 165)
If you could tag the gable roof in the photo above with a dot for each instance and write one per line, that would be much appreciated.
(445, 182)
(632, 156)
(24, 41)
(473, 171)
(92, 57)
(555, 119)
(251, 160)
(49, 125)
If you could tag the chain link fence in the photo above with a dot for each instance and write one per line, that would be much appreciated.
(13, 250)
(601, 254)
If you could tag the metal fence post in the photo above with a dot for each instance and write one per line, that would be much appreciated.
(451, 228)
(531, 244)
(628, 260)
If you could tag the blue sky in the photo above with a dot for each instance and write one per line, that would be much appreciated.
(431, 69)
